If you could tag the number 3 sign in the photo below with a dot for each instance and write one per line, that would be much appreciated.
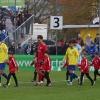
(56, 22)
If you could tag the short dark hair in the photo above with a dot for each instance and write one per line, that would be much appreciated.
(71, 41)
(97, 53)
(10, 52)
(40, 37)
(84, 50)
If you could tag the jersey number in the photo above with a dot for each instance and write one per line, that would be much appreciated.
(56, 21)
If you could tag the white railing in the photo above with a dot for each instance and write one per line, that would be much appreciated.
(22, 32)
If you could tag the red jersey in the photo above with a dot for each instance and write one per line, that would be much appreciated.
(42, 48)
(47, 63)
(12, 65)
(84, 65)
(96, 63)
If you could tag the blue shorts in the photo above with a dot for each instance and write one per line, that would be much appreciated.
(2, 66)
(71, 67)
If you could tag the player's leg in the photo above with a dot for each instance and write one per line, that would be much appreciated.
(67, 75)
(9, 77)
(98, 73)
(47, 78)
(35, 76)
(88, 76)
(0, 75)
(2, 68)
(72, 74)
(95, 75)
(15, 79)
(0, 81)
(71, 77)
(5, 75)
(75, 77)
(40, 78)
(81, 78)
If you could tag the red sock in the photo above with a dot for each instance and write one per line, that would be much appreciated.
(40, 77)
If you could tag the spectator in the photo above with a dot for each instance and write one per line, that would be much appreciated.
(88, 40)
(79, 48)
(2, 25)
(12, 48)
(28, 50)
(96, 41)
(18, 21)
(91, 50)
(20, 50)
(61, 43)
(80, 40)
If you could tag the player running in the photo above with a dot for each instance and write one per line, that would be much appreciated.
(13, 67)
(72, 58)
(96, 64)
(46, 68)
(84, 68)
(3, 57)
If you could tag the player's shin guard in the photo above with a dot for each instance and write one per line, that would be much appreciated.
(67, 75)
(9, 76)
(35, 76)
(71, 77)
(88, 76)
(47, 78)
(15, 79)
(75, 76)
(5, 75)
(95, 74)
(0, 78)
(40, 77)
(81, 79)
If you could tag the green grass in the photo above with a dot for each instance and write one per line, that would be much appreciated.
(58, 91)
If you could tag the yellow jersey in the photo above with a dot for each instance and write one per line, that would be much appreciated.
(3, 52)
(71, 56)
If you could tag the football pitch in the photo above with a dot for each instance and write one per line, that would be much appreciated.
(58, 91)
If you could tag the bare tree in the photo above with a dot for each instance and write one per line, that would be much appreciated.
(42, 9)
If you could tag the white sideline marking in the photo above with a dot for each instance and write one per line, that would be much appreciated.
(26, 82)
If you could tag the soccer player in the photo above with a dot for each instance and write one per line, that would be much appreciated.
(13, 67)
(72, 58)
(84, 67)
(96, 64)
(3, 57)
(47, 68)
(41, 50)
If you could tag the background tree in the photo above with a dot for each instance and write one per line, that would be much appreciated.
(78, 11)
(42, 9)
